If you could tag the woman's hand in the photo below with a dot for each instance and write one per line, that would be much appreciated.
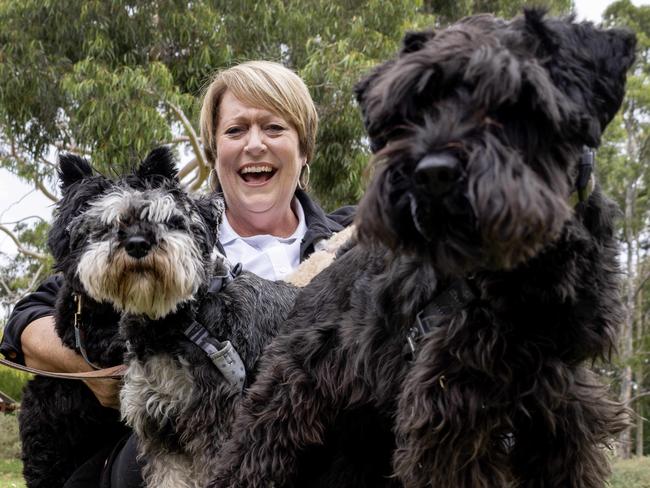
(44, 350)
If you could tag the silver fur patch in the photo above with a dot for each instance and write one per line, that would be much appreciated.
(154, 285)
(155, 205)
(158, 391)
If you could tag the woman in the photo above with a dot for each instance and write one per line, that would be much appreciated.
(258, 125)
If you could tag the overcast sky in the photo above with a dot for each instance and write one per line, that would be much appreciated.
(17, 200)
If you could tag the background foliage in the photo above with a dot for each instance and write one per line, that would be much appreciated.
(625, 174)
(111, 80)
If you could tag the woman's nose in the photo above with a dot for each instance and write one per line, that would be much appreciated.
(255, 143)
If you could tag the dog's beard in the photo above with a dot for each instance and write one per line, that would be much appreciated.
(518, 211)
(419, 217)
(154, 285)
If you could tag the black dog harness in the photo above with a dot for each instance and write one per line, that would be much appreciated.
(438, 312)
(222, 353)
(585, 181)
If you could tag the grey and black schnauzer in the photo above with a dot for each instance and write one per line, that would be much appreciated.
(194, 330)
(449, 346)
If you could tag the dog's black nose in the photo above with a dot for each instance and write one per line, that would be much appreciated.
(137, 246)
(438, 173)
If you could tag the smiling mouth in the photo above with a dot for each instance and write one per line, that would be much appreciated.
(257, 174)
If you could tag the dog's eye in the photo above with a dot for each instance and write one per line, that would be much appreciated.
(176, 222)
(120, 229)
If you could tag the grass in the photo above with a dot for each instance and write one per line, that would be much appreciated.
(11, 474)
(12, 383)
(10, 445)
(631, 473)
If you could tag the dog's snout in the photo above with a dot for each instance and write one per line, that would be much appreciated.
(438, 172)
(137, 246)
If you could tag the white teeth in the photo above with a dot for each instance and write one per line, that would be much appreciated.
(256, 169)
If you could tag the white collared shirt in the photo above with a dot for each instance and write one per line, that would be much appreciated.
(270, 257)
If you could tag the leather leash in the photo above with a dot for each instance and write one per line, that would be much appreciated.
(114, 372)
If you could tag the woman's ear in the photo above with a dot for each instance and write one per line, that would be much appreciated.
(213, 180)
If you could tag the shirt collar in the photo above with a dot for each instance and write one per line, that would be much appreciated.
(227, 234)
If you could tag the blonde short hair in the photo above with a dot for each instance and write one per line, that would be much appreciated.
(267, 85)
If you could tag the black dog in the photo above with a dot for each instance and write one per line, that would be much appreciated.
(61, 422)
(194, 330)
(446, 348)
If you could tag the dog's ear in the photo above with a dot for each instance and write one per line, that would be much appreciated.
(72, 168)
(415, 40)
(614, 53)
(599, 60)
(159, 162)
(211, 207)
(362, 87)
(362, 91)
(536, 27)
(412, 41)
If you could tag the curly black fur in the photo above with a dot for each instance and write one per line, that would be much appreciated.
(479, 128)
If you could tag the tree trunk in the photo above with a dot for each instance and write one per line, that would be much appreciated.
(627, 335)
(639, 374)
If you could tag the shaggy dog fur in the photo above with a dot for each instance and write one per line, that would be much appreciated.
(61, 422)
(148, 249)
(480, 131)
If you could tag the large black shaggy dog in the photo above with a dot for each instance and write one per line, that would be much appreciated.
(447, 348)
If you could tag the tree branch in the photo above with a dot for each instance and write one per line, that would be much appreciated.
(642, 283)
(72, 148)
(48, 162)
(39, 184)
(35, 278)
(202, 174)
(187, 169)
(23, 219)
(21, 248)
(191, 133)
(637, 397)
(4, 284)
(178, 140)
(37, 181)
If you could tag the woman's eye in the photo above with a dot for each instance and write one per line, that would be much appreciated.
(231, 131)
(274, 128)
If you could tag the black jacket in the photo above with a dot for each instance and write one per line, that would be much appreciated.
(41, 302)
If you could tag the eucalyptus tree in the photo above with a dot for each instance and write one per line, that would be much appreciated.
(110, 80)
(625, 172)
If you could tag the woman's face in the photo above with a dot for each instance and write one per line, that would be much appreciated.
(258, 158)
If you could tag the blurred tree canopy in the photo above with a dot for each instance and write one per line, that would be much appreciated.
(112, 79)
(624, 164)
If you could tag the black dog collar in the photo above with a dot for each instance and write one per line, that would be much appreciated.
(79, 332)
